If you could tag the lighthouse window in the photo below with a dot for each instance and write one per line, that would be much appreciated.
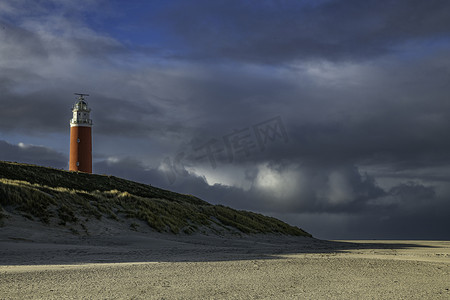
(78, 140)
(78, 163)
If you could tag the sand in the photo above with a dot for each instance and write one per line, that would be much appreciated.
(38, 262)
(222, 268)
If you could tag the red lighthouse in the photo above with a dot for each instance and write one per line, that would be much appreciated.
(81, 137)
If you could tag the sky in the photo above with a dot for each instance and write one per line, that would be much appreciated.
(333, 116)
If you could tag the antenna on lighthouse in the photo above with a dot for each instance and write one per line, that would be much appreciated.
(81, 96)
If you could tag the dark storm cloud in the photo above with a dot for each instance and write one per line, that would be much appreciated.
(407, 133)
(282, 31)
(31, 154)
(402, 140)
(407, 211)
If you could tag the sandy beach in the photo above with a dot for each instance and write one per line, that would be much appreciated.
(207, 267)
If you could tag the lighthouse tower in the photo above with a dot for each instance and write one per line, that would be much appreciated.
(80, 137)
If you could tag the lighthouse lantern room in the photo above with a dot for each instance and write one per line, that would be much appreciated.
(81, 137)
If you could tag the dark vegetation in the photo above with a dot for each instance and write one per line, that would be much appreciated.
(51, 195)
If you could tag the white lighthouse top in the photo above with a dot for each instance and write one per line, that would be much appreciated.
(81, 112)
